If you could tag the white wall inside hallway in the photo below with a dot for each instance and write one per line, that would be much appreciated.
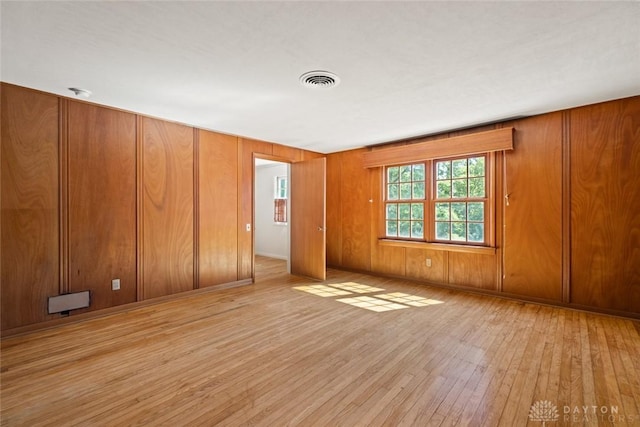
(271, 239)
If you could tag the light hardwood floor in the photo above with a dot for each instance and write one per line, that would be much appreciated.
(271, 355)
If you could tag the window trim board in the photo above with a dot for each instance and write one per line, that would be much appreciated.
(465, 145)
(450, 247)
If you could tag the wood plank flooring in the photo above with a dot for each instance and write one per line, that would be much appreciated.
(271, 355)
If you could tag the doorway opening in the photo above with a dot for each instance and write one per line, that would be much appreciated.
(271, 217)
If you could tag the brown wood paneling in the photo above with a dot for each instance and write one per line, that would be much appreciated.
(355, 211)
(472, 270)
(196, 208)
(30, 214)
(168, 225)
(605, 205)
(384, 259)
(499, 217)
(246, 150)
(218, 208)
(388, 260)
(533, 219)
(600, 164)
(566, 206)
(334, 223)
(102, 203)
(290, 153)
(417, 268)
(308, 155)
(63, 193)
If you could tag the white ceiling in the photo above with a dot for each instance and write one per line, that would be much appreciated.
(407, 68)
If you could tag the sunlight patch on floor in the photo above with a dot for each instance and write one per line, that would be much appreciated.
(378, 303)
(356, 288)
(412, 300)
(373, 304)
(322, 291)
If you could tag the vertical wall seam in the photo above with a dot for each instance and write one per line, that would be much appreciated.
(196, 207)
(240, 144)
(566, 206)
(252, 204)
(63, 194)
(501, 211)
(139, 211)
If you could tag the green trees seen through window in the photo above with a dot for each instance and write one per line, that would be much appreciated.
(457, 195)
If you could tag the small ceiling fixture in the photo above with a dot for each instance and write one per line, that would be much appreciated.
(319, 79)
(80, 92)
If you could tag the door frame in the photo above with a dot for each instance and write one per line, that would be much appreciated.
(253, 208)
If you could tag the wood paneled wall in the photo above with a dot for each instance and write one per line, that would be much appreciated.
(569, 235)
(605, 205)
(356, 205)
(218, 189)
(91, 194)
(30, 261)
(385, 259)
(101, 203)
(167, 208)
(246, 150)
(334, 205)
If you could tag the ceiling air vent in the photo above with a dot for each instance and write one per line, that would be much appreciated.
(319, 79)
(80, 92)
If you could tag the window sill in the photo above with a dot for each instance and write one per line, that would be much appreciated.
(439, 246)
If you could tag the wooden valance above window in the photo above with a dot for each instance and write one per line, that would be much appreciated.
(465, 145)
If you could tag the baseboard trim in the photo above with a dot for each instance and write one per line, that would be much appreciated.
(75, 318)
(269, 255)
(503, 295)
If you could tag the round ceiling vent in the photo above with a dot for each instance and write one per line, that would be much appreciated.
(319, 79)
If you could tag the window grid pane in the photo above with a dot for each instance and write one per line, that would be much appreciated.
(460, 194)
(404, 218)
(392, 228)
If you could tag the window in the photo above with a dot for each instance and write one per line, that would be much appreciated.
(441, 190)
(280, 200)
(281, 187)
(405, 201)
(440, 200)
(460, 199)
